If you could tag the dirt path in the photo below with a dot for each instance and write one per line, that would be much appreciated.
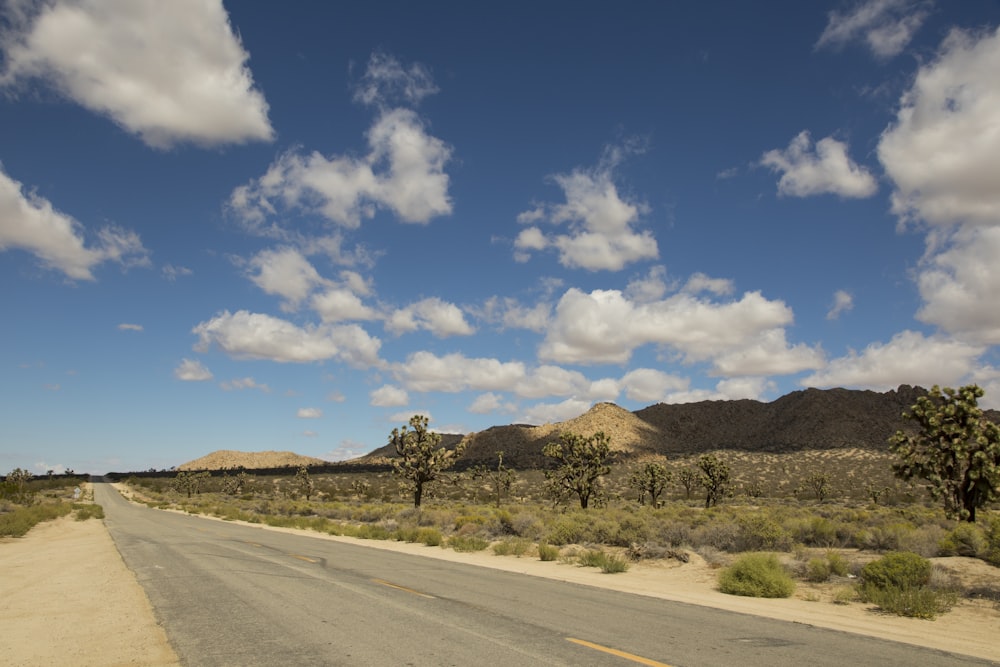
(69, 599)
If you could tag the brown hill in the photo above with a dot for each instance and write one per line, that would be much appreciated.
(811, 419)
(228, 459)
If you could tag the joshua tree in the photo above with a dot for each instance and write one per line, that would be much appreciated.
(957, 450)
(651, 480)
(714, 477)
(501, 478)
(420, 460)
(582, 462)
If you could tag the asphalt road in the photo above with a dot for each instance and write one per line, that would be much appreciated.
(230, 594)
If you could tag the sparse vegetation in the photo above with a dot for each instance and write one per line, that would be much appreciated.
(582, 462)
(899, 583)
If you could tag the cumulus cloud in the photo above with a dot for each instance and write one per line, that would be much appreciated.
(957, 282)
(903, 360)
(885, 26)
(309, 413)
(239, 384)
(30, 223)
(340, 304)
(285, 272)
(730, 389)
(441, 318)
(842, 302)
(191, 370)
(425, 371)
(943, 150)
(649, 385)
(258, 336)
(125, 326)
(823, 168)
(172, 273)
(402, 172)
(601, 224)
(489, 402)
(168, 72)
(389, 396)
(744, 335)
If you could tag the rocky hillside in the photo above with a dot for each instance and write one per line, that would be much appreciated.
(811, 419)
(228, 459)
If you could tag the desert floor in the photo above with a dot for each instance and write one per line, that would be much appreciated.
(69, 599)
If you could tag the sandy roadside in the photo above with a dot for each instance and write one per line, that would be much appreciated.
(56, 584)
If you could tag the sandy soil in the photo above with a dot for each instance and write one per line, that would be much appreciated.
(56, 584)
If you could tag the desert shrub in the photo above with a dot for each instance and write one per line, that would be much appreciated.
(924, 540)
(512, 546)
(757, 575)
(547, 552)
(608, 563)
(721, 534)
(884, 538)
(965, 539)
(464, 520)
(84, 512)
(900, 569)
(992, 555)
(467, 543)
(899, 583)
(820, 568)
(758, 532)
(430, 536)
(632, 529)
(816, 531)
(673, 533)
(527, 525)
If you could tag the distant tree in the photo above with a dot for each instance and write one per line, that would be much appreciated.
(651, 480)
(501, 479)
(582, 461)
(238, 483)
(957, 450)
(421, 461)
(714, 478)
(876, 491)
(15, 487)
(820, 485)
(304, 484)
(688, 478)
(190, 482)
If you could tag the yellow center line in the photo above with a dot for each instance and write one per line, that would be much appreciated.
(305, 558)
(620, 654)
(402, 588)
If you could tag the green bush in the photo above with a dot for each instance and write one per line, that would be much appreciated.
(965, 539)
(757, 575)
(898, 583)
(898, 569)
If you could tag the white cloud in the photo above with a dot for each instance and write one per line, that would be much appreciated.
(403, 172)
(124, 326)
(601, 224)
(285, 272)
(340, 304)
(903, 360)
(192, 370)
(489, 402)
(551, 413)
(842, 302)
(404, 417)
(959, 282)
(239, 384)
(730, 389)
(509, 313)
(886, 26)
(825, 168)
(699, 282)
(309, 413)
(605, 327)
(310, 434)
(387, 82)
(651, 287)
(389, 396)
(441, 318)
(943, 151)
(30, 223)
(168, 72)
(259, 336)
(650, 386)
(424, 371)
(767, 353)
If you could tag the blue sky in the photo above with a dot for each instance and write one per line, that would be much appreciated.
(291, 226)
